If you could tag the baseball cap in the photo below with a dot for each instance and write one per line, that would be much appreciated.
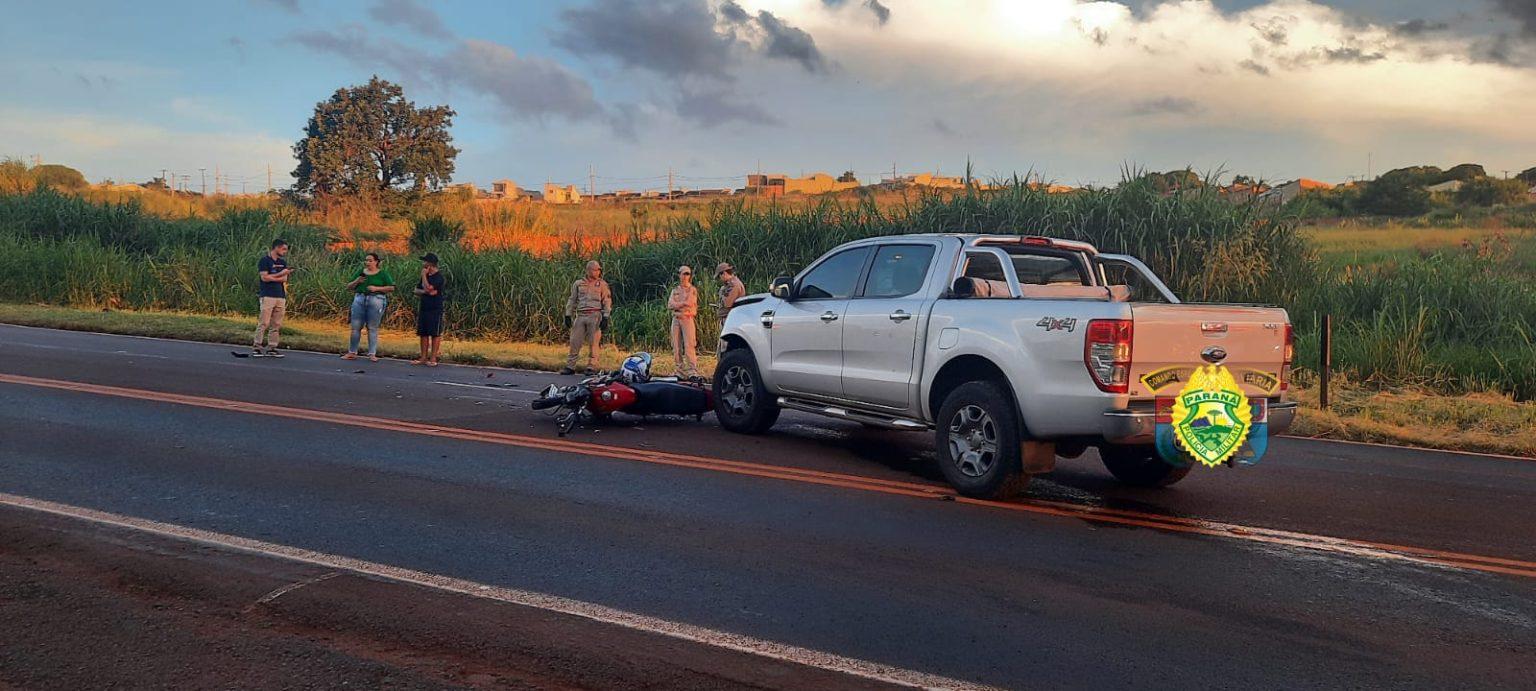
(724, 267)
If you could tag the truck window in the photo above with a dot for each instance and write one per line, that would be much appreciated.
(985, 266)
(1047, 269)
(898, 271)
(835, 277)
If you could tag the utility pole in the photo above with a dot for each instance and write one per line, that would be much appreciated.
(162, 179)
(204, 173)
(669, 182)
(269, 179)
(591, 182)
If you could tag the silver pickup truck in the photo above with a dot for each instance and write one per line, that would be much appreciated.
(1014, 350)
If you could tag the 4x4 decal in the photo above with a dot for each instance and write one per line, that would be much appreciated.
(1067, 324)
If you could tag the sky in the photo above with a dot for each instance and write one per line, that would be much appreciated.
(618, 93)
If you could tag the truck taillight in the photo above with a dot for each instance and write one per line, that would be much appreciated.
(1107, 353)
(1290, 357)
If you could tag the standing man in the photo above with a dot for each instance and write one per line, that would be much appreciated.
(429, 316)
(684, 303)
(586, 315)
(731, 290)
(273, 270)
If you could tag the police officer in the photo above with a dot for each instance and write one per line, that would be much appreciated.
(731, 290)
(684, 304)
(586, 315)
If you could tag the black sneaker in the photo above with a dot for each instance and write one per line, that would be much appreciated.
(273, 352)
(567, 370)
(258, 352)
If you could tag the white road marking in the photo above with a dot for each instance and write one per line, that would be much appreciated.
(87, 350)
(489, 387)
(553, 603)
(269, 597)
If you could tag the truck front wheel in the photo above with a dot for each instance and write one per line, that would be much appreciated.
(977, 434)
(1140, 466)
(742, 403)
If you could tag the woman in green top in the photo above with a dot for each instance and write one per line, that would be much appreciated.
(373, 285)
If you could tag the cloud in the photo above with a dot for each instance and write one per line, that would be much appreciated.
(670, 37)
(938, 125)
(733, 12)
(712, 107)
(1419, 27)
(1166, 105)
(1523, 11)
(525, 86)
(882, 13)
(289, 6)
(411, 15)
(790, 43)
(1254, 67)
(1351, 54)
(125, 149)
(238, 44)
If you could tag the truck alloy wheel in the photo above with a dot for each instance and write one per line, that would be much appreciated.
(742, 404)
(979, 441)
(737, 390)
(972, 441)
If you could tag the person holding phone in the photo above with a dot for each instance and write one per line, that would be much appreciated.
(429, 316)
(371, 288)
(273, 271)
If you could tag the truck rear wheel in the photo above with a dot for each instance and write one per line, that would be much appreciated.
(1140, 466)
(977, 435)
(742, 403)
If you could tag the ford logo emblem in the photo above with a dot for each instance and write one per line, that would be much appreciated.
(1214, 354)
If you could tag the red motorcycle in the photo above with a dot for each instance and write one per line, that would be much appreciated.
(629, 390)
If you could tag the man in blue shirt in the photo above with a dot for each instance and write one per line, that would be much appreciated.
(273, 270)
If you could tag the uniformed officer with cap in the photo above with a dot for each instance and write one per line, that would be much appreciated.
(684, 304)
(586, 314)
(731, 290)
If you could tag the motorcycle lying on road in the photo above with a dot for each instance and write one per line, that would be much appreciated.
(629, 390)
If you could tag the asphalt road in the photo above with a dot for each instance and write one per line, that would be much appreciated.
(1036, 597)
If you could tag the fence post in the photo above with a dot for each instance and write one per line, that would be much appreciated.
(1325, 360)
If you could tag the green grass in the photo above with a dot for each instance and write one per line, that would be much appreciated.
(1450, 310)
(303, 334)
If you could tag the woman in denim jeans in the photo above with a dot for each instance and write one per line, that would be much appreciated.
(373, 285)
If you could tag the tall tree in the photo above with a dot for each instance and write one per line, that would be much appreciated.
(367, 139)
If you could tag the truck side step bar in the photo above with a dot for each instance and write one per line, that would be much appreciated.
(887, 422)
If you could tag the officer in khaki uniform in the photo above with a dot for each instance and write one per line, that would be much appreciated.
(684, 304)
(731, 290)
(586, 313)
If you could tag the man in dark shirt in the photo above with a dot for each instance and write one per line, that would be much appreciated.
(273, 270)
(429, 317)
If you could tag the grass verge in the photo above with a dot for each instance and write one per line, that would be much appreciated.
(307, 334)
(1479, 422)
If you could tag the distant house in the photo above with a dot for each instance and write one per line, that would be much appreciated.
(1449, 186)
(774, 185)
(505, 189)
(556, 194)
(1282, 194)
(467, 189)
(1242, 192)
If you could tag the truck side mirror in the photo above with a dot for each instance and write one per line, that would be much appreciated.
(782, 288)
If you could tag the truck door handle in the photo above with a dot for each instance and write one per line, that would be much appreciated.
(829, 317)
(767, 319)
(900, 316)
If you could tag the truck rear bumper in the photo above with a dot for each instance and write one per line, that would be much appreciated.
(1139, 425)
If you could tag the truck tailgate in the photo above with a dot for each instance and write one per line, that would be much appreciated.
(1168, 342)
